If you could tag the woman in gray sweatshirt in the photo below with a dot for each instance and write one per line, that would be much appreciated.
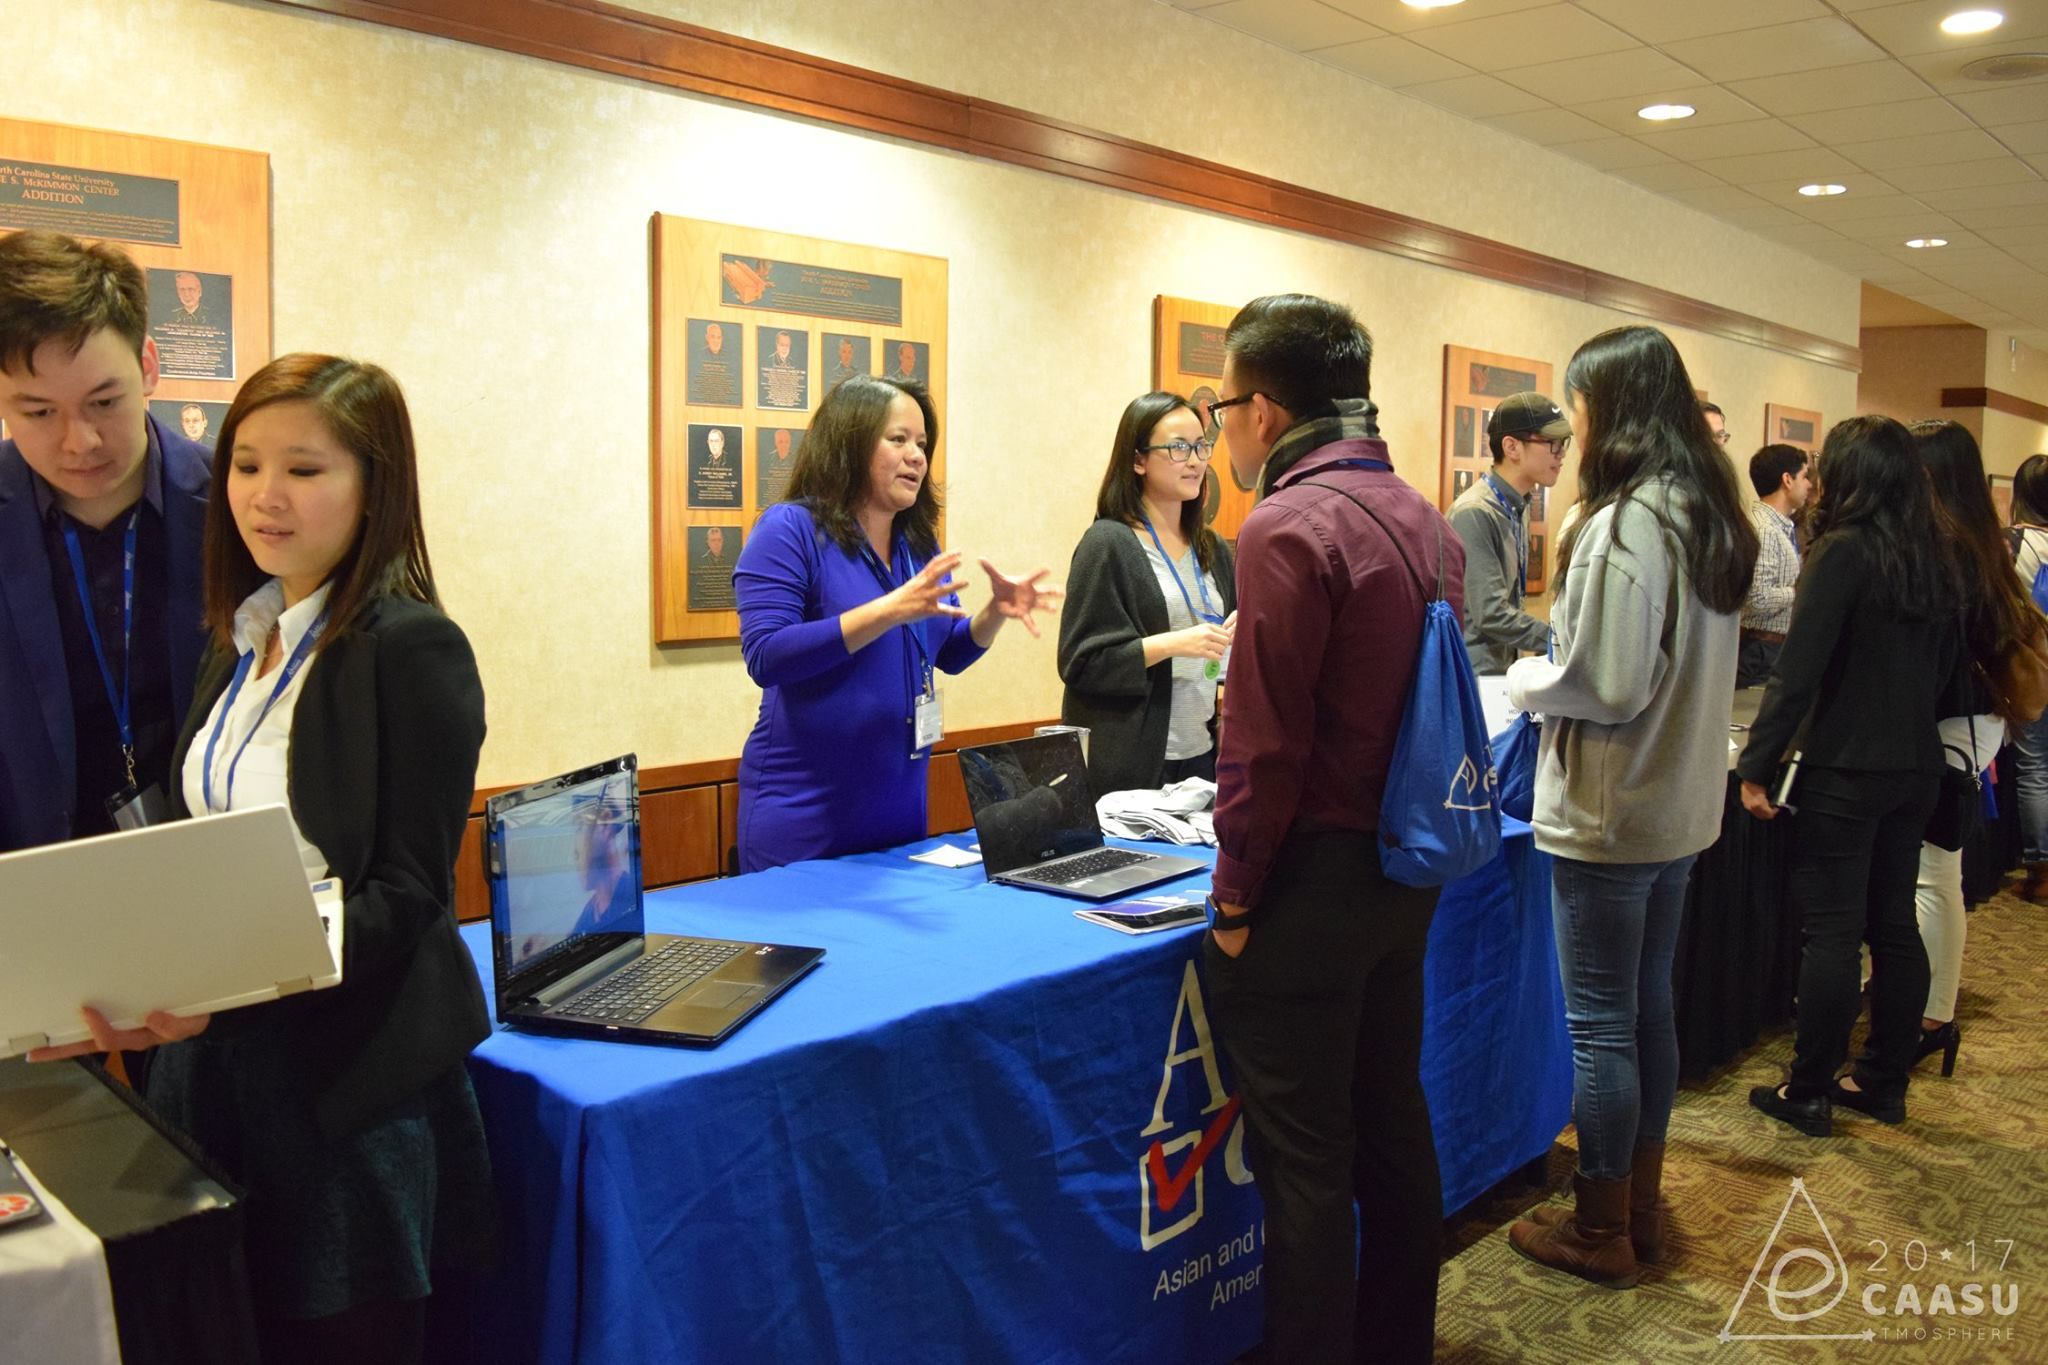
(1630, 776)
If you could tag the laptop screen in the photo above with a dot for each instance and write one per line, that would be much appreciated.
(1030, 800)
(563, 858)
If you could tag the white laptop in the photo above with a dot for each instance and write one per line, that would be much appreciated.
(195, 917)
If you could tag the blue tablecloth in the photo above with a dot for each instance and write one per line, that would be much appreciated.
(939, 1145)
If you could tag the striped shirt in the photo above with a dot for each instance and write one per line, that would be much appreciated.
(1777, 571)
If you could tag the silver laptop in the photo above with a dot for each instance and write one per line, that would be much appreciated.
(570, 953)
(195, 917)
(1036, 819)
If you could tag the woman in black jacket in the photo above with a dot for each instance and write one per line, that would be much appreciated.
(1857, 690)
(333, 683)
(1151, 605)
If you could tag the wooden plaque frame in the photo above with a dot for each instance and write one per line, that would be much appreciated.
(1226, 501)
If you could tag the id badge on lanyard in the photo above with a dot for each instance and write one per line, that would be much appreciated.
(927, 721)
(927, 707)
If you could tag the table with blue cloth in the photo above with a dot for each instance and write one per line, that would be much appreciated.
(982, 1129)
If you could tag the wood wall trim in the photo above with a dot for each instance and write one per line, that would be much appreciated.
(602, 37)
(1997, 400)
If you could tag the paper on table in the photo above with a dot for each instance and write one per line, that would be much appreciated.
(947, 855)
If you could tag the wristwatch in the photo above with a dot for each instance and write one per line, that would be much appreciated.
(1227, 923)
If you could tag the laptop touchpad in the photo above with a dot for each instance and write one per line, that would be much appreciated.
(718, 995)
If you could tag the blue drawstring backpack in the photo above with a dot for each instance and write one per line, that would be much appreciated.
(1514, 759)
(1440, 810)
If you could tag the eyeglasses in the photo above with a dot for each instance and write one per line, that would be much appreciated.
(1558, 445)
(1180, 452)
(1722, 436)
(1216, 408)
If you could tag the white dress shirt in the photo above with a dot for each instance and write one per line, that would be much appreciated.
(262, 775)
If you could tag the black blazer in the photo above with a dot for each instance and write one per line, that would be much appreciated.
(1873, 680)
(1113, 602)
(383, 759)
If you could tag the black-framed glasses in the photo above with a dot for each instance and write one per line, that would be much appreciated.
(1216, 408)
(1180, 452)
(1557, 445)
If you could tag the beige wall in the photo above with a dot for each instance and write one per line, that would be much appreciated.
(478, 223)
(1906, 368)
(2021, 370)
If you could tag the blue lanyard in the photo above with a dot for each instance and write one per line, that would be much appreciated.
(1515, 521)
(1208, 612)
(922, 683)
(300, 653)
(118, 701)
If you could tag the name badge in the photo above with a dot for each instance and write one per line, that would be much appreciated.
(132, 809)
(927, 723)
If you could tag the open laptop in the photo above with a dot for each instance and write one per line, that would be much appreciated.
(1036, 819)
(194, 916)
(569, 951)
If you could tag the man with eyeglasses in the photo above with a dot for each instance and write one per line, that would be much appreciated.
(1528, 436)
(1717, 422)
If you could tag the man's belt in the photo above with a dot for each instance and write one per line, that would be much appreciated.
(1769, 637)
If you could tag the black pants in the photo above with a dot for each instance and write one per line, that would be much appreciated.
(1754, 660)
(1321, 1020)
(1180, 769)
(1855, 857)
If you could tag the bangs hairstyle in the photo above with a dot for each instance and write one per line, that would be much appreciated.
(1122, 495)
(2030, 491)
(1304, 353)
(1644, 423)
(1878, 484)
(57, 288)
(1997, 611)
(831, 473)
(365, 413)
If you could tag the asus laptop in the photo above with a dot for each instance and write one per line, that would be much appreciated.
(195, 916)
(569, 951)
(1036, 819)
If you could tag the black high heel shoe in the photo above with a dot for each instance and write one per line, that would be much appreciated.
(1946, 1040)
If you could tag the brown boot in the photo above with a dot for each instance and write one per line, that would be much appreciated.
(1648, 1212)
(2035, 887)
(1593, 1243)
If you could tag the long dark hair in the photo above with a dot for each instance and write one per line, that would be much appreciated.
(2030, 491)
(1645, 423)
(1998, 611)
(364, 410)
(1878, 484)
(831, 474)
(1122, 495)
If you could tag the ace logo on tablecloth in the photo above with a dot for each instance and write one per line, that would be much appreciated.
(1172, 1168)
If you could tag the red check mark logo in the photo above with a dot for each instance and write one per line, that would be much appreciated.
(1169, 1188)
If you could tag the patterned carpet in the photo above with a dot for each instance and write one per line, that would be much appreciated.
(1970, 1165)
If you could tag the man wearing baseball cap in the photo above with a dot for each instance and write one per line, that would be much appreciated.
(1528, 435)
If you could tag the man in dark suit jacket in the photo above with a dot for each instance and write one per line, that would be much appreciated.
(87, 474)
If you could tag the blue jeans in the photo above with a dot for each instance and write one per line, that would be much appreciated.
(2030, 780)
(1617, 932)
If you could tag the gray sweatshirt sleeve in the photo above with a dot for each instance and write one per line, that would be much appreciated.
(1489, 567)
(1616, 657)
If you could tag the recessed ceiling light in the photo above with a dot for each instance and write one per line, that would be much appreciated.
(1664, 113)
(1431, 4)
(1918, 242)
(1968, 21)
(1822, 191)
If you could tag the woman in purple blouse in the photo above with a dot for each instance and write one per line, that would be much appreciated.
(847, 611)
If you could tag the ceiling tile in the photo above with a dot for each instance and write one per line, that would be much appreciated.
(1902, 118)
(1476, 96)
(2008, 104)
(2005, 215)
(1672, 175)
(1988, 196)
(2014, 238)
(1661, 21)
(1944, 70)
(1958, 175)
(1711, 105)
(1396, 17)
(1925, 223)
(1836, 87)
(1911, 29)
(2028, 139)
(1392, 62)
(1806, 163)
(1853, 207)
(1613, 153)
(1547, 126)
(1296, 25)
(1609, 75)
(2039, 163)
(1807, 45)
(1926, 149)
(1525, 38)
(1729, 139)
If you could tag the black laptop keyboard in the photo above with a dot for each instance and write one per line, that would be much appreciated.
(1072, 870)
(628, 996)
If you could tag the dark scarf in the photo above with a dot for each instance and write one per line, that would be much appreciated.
(1347, 419)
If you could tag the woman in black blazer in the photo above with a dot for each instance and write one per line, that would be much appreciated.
(334, 682)
(1875, 644)
(1151, 607)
